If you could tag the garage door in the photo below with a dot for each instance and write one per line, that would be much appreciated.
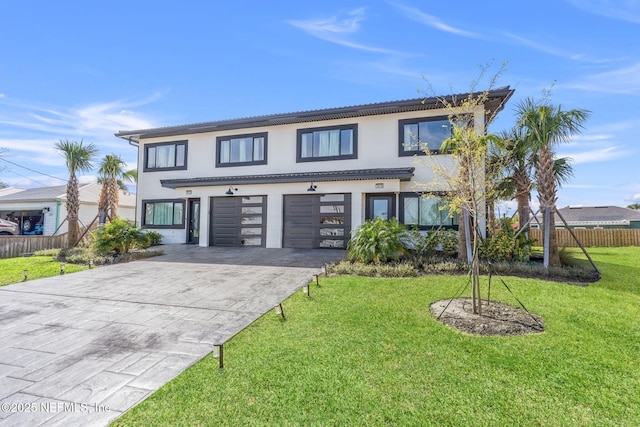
(238, 221)
(317, 221)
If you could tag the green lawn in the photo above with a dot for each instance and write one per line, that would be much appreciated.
(366, 351)
(12, 269)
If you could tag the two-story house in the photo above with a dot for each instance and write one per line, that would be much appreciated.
(296, 180)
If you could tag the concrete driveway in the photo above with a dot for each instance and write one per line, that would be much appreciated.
(83, 348)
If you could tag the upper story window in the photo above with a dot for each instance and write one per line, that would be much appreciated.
(240, 150)
(426, 134)
(327, 143)
(165, 156)
(426, 211)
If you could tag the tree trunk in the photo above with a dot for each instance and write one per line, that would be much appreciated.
(462, 238)
(547, 196)
(523, 209)
(73, 206)
(113, 197)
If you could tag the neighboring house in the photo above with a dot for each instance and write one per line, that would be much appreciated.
(45, 206)
(296, 180)
(599, 217)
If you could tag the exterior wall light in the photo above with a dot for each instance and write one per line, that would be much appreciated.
(230, 191)
(312, 187)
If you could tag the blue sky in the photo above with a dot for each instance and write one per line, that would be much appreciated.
(82, 69)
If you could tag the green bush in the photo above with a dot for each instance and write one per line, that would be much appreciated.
(377, 241)
(505, 246)
(153, 238)
(117, 237)
(48, 252)
(401, 269)
(448, 241)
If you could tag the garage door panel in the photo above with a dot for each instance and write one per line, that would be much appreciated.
(238, 221)
(316, 221)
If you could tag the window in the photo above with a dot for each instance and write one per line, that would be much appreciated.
(165, 156)
(327, 143)
(163, 213)
(426, 211)
(419, 135)
(241, 150)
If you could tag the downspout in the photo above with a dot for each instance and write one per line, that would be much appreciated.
(135, 209)
(58, 204)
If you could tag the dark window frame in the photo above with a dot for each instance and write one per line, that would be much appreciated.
(354, 155)
(161, 144)
(219, 140)
(401, 124)
(454, 221)
(155, 201)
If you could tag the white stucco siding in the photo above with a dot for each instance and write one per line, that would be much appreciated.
(377, 147)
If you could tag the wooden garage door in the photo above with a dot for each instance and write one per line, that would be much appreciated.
(238, 221)
(317, 221)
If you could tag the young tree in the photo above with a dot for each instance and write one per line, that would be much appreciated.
(546, 127)
(112, 177)
(77, 157)
(469, 185)
(634, 206)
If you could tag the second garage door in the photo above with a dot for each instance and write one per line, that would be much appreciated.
(317, 221)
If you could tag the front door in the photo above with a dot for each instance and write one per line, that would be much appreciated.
(194, 221)
(380, 206)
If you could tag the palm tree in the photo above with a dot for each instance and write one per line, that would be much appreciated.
(518, 181)
(77, 157)
(635, 206)
(546, 127)
(519, 161)
(112, 177)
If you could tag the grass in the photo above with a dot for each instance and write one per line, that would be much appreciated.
(366, 351)
(12, 269)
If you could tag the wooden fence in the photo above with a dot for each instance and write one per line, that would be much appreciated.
(14, 246)
(602, 237)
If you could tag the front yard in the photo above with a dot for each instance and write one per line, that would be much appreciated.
(366, 351)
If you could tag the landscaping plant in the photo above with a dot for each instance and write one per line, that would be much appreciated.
(118, 237)
(377, 240)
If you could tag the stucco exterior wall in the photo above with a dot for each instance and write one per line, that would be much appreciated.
(377, 147)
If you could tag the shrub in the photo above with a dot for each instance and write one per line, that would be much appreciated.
(401, 269)
(504, 246)
(48, 252)
(377, 241)
(153, 237)
(117, 237)
(448, 241)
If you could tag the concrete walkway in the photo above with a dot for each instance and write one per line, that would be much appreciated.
(83, 348)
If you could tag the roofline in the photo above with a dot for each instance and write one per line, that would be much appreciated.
(496, 99)
(403, 174)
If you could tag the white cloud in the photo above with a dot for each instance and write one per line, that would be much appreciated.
(30, 130)
(596, 156)
(545, 48)
(434, 22)
(623, 81)
(635, 198)
(95, 120)
(338, 28)
(626, 10)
